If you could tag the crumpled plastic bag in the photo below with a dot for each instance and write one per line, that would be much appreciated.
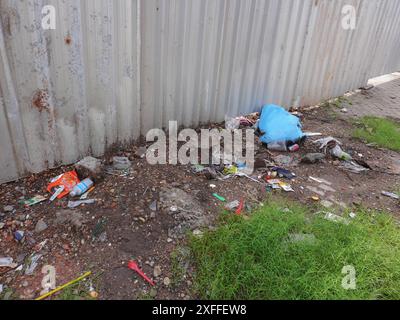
(277, 125)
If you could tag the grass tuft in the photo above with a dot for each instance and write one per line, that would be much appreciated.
(253, 259)
(382, 132)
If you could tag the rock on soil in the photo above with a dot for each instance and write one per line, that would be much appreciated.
(40, 226)
(71, 217)
(90, 167)
(187, 211)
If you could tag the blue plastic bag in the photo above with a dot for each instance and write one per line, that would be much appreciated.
(278, 125)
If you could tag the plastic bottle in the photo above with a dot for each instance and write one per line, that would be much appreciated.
(81, 187)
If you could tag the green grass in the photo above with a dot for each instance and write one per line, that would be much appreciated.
(382, 132)
(253, 259)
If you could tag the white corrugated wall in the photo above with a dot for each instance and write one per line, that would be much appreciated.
(114, 69)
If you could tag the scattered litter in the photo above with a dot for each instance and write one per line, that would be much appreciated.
(240, 208)
(121, 163)
(1, 288)
(33, 264)
(334, 146)
(232, 123)
(85, 195)
(213, 186)
(320, 180)
(279, 126)
(293, 148)
(219, 197)
(230, 170)
(133, 266)
(335, 218)
(286, 187)
(153, 206)
(352, 215)
(67, 181)
(7, 262)
(340, 154)
(283, 173)
(75, 204)
(327, 142)
(64, 286)
(315, 198)
(313, 157)
(33, 201)
(390, 194)
(198, 168)
(19, 235)
(82, 187)
(353, 167)
(93, 293)
(232, 205)
(56, 193)
(312, 134)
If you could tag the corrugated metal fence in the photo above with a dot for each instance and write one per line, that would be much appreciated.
(113, 69)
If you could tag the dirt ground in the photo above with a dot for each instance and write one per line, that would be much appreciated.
(121, 226)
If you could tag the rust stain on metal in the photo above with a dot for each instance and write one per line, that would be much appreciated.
(40, 100)
(68, 40)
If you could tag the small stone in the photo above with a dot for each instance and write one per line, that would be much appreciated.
(8, 208)
(167, 281)
(121, 163)
(198, 233)
(25, 283)
(344, 110)
(157, 271)
(2, 225)
(169, 240)
(103, 237)
(40, 226)
(313, 157)
(326, 203)
(90, 167)
(21, 217)
(153, 293)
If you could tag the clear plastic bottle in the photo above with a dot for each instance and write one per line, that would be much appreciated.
(81, 187)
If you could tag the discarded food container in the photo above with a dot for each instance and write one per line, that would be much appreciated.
(81, 187)
(66, 180)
